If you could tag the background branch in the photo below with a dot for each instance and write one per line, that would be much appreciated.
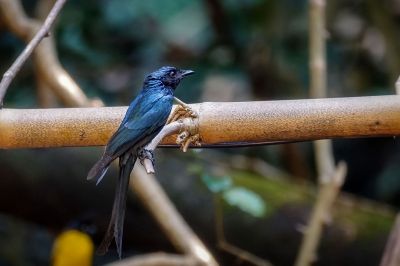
(157, 259)
(318, 84)
(330, 179)
(321, 213)
(391, 256)
(45, 56)
(171, 222)
(16, 66)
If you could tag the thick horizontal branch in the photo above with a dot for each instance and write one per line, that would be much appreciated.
(218, 123)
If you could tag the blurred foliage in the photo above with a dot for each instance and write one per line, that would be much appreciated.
(240, 197)
(217, 184)
(246, 200)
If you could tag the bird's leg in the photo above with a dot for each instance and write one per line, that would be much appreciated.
(182, 110)
(145, 154)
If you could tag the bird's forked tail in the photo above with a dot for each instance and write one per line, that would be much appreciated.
(100, 168)
(116, 226)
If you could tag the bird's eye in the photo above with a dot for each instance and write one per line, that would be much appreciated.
(172, 73)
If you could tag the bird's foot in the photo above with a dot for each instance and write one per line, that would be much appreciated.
(189, 135)
(146, 154)
(185, 139)
(181, 111)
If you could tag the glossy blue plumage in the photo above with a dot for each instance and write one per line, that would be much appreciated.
(145, 117)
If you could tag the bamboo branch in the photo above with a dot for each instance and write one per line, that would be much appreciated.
(218, 123)
(16, 66)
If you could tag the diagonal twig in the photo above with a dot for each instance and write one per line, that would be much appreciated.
(45, 58)
(16, 66)
(328, 192)
(224, 245)
(391, 255)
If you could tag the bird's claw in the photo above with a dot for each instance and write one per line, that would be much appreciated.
(181, 111)
(144, 154)
(185, 139)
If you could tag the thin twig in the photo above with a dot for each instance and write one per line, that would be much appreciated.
(243, 254)
(227, 247)
(16, 66)
(397, 86)
(326, 196)
(47, 64)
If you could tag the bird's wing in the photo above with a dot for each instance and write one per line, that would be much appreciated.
(144, 118)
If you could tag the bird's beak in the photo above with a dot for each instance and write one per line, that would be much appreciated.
(185, 73)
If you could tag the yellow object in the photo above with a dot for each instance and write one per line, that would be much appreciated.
(72, 248)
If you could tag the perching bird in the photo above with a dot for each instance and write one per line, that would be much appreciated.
(144, 119)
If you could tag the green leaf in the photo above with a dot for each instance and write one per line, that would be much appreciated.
(246, 200)
(217, 184)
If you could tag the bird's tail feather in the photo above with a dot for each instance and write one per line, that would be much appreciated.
(100, 168)
(116, 225)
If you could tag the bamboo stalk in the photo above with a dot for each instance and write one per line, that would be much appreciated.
(253, 122)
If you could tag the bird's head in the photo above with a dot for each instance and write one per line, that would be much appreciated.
(169, 76)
